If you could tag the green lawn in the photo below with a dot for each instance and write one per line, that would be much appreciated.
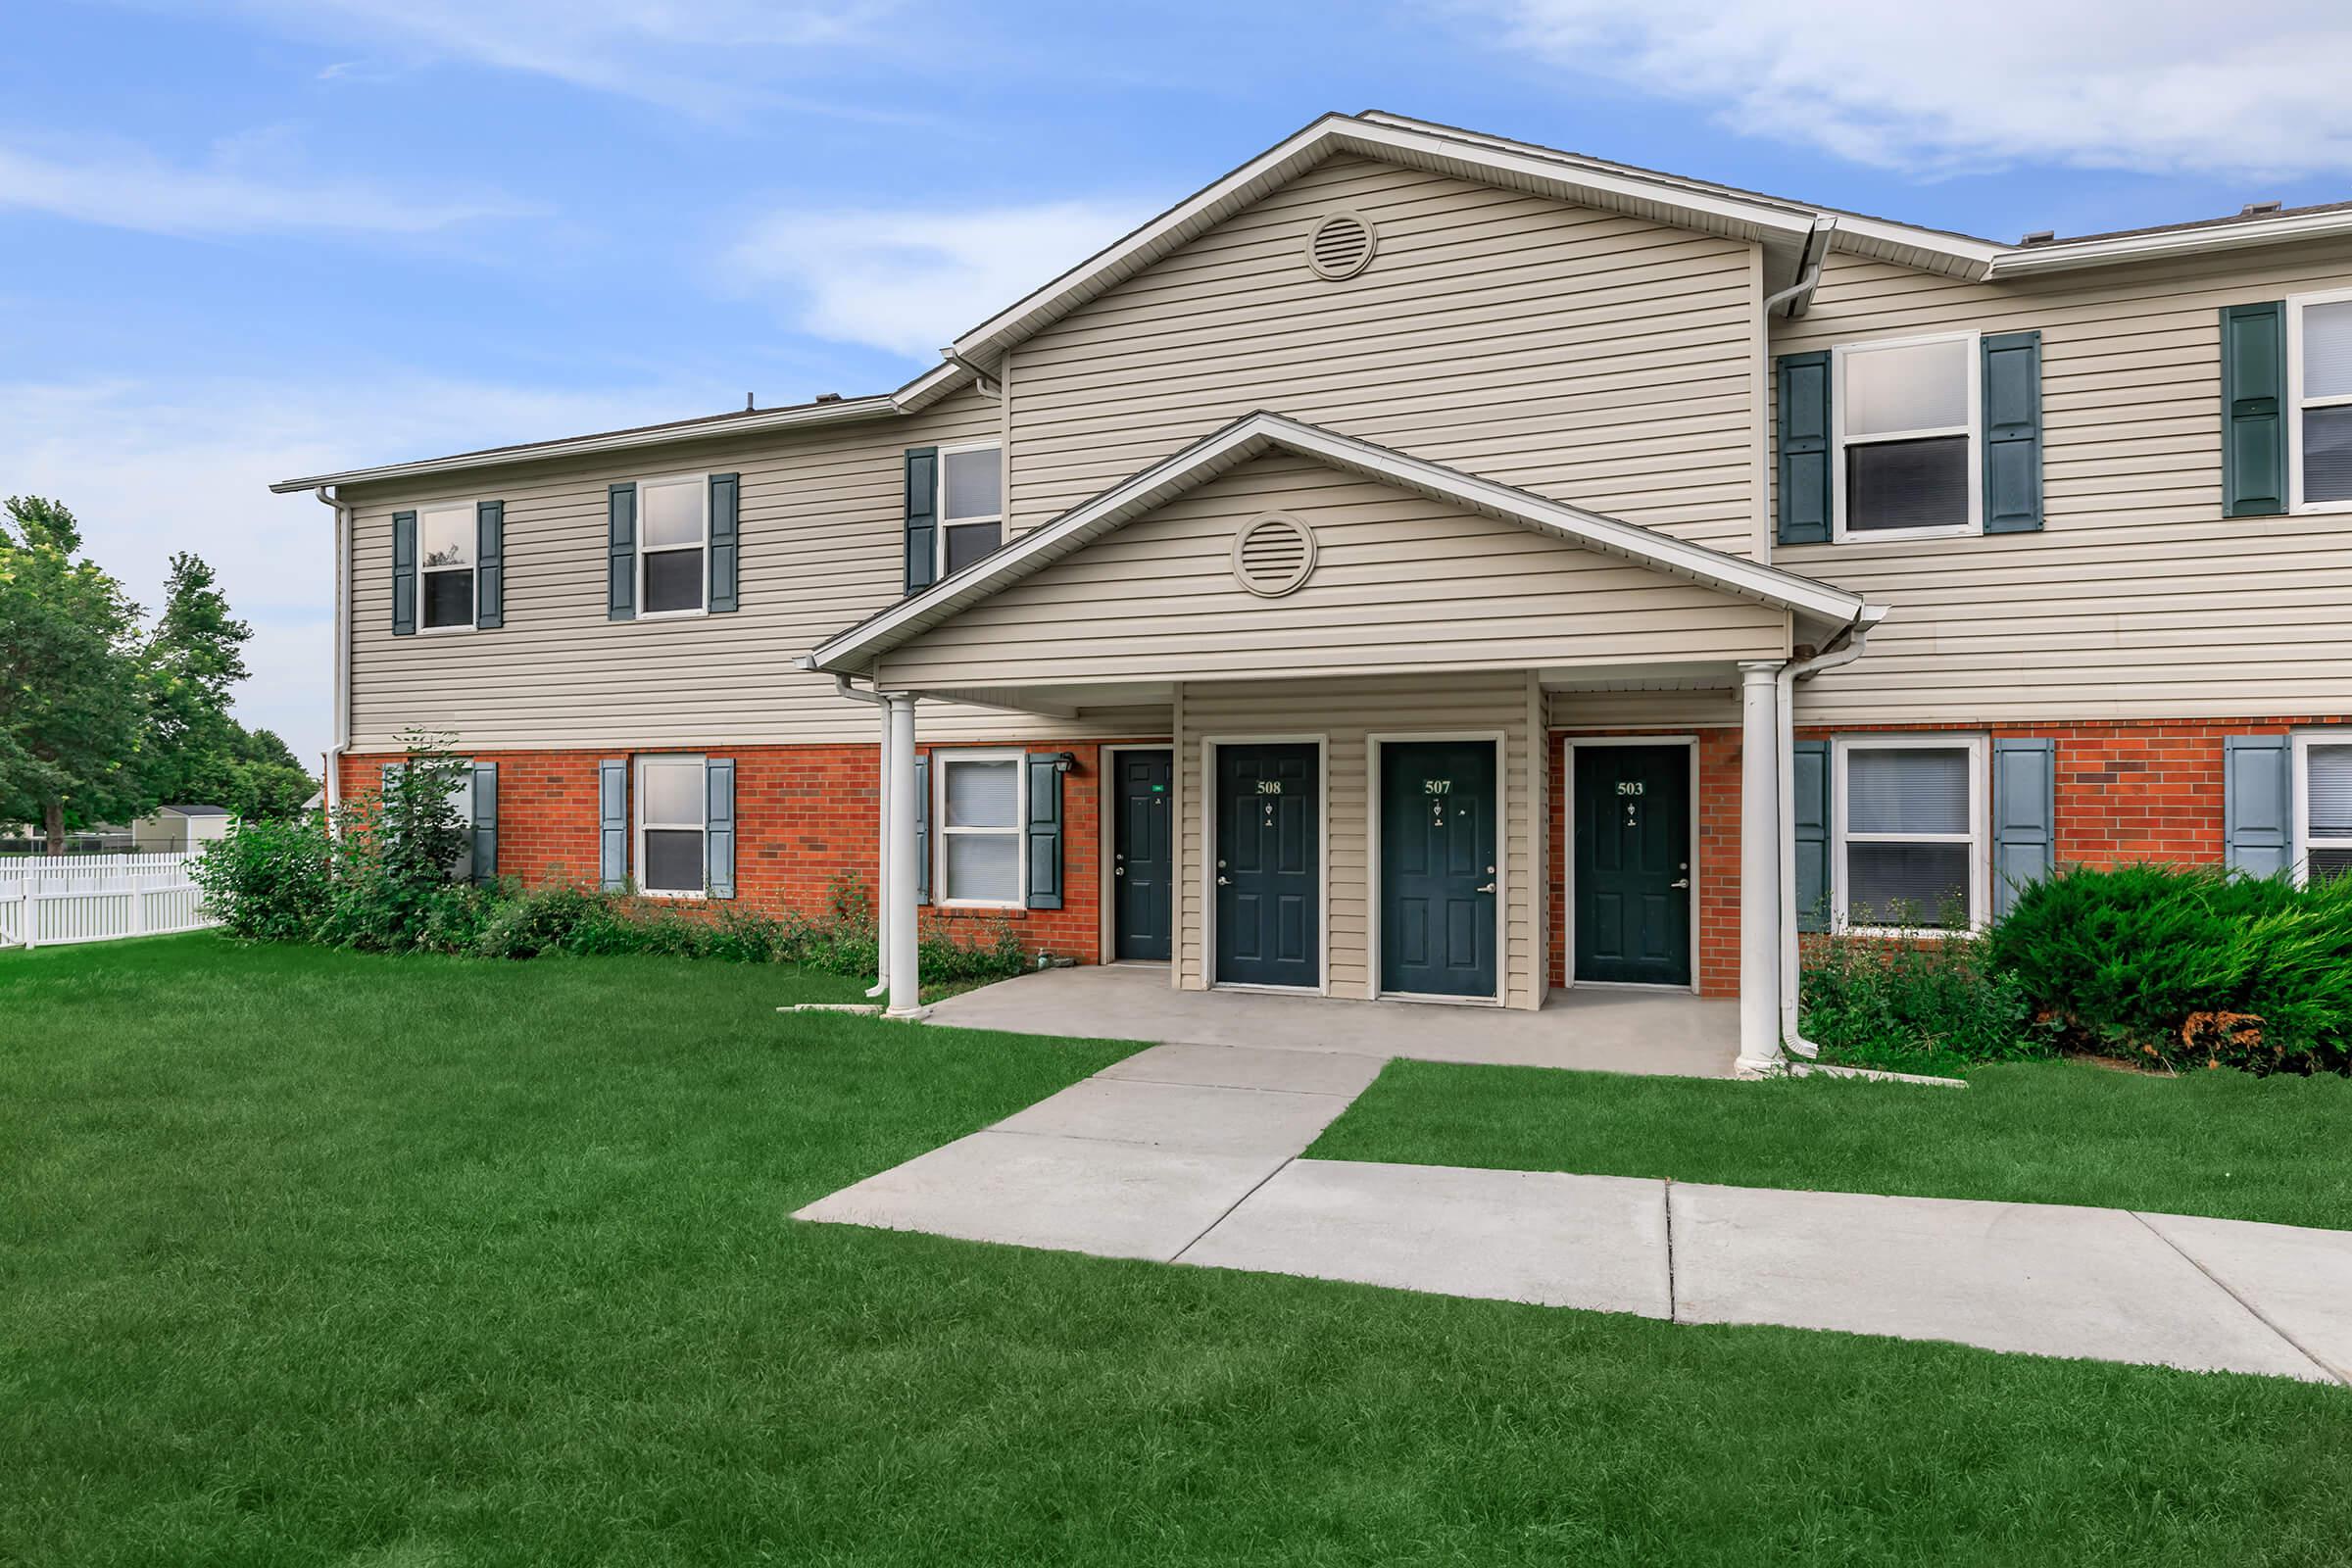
(2223, 1144)
(404, 1263)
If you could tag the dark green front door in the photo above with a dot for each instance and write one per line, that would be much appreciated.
(1437, 868)
(1268, 875)
(1141, 853)
(1633, 863)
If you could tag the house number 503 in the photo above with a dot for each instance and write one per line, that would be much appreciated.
(1628, 786)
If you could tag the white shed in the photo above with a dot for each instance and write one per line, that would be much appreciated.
(171, 828)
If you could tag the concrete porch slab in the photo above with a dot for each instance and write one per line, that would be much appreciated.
(1113, 1199)
(2044, 1278)
(1194, 1118)
(1592, 1241)
(1597, 1030)
(2299, 1281)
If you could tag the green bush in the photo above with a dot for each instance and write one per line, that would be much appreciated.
(269, 881)
(2188, 966)
(1912, 1003)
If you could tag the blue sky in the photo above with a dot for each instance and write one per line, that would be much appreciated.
(254, 238)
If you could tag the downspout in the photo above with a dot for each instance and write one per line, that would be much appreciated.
(1853, 640)
(989, 384)
(1797, 295)
(341, 728)
(882, 848)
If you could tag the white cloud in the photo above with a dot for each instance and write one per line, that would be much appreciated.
(909, 282)
(152, 469)
(233, 193)
(703, 57)
(2159, 86)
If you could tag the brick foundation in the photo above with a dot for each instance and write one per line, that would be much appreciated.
(804, 816)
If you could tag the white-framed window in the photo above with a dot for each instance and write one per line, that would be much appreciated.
(1911, 836)
(982, 858)
(2322, 805)
(1909, 453)
(673, 820)
(971, 504)
(2319, 394)
(674, 542)
(445, 546)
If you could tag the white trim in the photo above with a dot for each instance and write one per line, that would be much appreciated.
(1376, 870)
(1978, 837)
(945, 757)
(1568, 860)
(1843, 354)
(2296, 402)
(702, 485)
(996, 444)
(1254, 434)
(2065, 255)
(1106, 855)
(2302, 846)
(702, 827)
(472, 510)
(1321, 742)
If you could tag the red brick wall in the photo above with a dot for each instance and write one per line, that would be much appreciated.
(1715, 835)
(803, 813)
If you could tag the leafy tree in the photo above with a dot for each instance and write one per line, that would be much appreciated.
(73, 708)
(196, 751)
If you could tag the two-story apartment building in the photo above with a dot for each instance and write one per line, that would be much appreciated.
(1427, 566)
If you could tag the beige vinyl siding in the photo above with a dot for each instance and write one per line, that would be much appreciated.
(1346, 714)
(1594, 358)
(1400, 582)
(821, 519)
(2138, 597)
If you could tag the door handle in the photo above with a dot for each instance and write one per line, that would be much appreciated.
(1224, 882)
(1118, 870)
(1486, 887)
(1684, 883)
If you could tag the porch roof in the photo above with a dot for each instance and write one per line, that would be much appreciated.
(1257, 434)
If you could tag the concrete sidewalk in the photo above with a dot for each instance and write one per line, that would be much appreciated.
(1190, 1153)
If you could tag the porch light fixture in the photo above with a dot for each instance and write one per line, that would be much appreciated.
(1063, 761)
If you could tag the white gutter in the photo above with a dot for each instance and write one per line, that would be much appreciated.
(1857, 637)
(882, 848)
(340, 730)
(2064, 256)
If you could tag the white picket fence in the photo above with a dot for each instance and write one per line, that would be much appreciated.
(46, 899)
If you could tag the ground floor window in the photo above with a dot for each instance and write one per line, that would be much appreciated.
(980, 849)
(2324, 825)
(1910, 846)
(673, 820)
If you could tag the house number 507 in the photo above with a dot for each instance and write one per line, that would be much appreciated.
(1437, 786)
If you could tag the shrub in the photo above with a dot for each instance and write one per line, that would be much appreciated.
(269, 881)
(544, 920)
(2189, 966)
(1911, 1003)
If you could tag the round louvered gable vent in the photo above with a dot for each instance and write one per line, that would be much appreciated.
(1341, 246)
(1273, 555)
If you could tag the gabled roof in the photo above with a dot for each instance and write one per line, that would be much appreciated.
(1255, 435)
(195, 810)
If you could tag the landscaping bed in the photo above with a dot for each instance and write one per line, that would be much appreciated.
(326, 1257)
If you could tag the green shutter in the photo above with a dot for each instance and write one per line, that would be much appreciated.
(2012, 386)
(621, 565)
(718, 828)
(489, 565)
(725, 490)
(613, 824)
(1802, 385)
(1809, 804)
(2024, 815)
(2254, 410)
(922, 830)
(485, 821)
(2258, 803)
(403, 573)
(922, 518)
(1043, 770)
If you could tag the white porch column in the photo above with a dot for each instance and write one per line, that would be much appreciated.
(1759, 868)
(898, 903)
(882, 853)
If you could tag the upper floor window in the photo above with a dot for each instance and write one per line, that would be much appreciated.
(1908, 439)
(2319, 357)
(673, 538)
(445, 544)
(2324, 807)
(971, 513)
